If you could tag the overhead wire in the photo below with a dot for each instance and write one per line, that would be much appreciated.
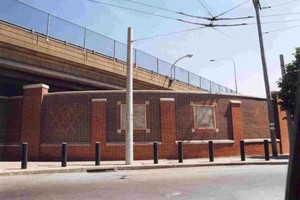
(205, 8)
(281, 14)
(231, 9)
(283, 4)
(162, 16)
(281, 29)
(172, 33)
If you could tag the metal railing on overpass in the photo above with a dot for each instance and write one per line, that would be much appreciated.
(27, 17)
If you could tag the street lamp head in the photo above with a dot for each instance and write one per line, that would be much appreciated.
(213, 60)
(189, 55)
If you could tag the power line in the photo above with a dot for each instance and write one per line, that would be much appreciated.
(162, 16)
(166, 34)
(280, 29)
(281, 14)
(218, 19)
(205, 8)
(235, 7)
(283, 4)
(135, 10)
(283, 21)
(152, 6)
(213, 25)
(185, 14)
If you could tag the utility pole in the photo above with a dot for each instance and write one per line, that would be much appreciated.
(129, 100)
(266, 79)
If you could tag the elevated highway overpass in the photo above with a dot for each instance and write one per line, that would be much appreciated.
(28, 57)
(37, 47)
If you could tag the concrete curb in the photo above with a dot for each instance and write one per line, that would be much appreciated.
(140, 167)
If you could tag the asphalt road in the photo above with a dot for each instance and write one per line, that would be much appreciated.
(232, 182)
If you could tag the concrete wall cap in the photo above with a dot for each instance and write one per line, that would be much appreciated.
(39, 85)
(235, 102)
(99, 100)
(167, 99)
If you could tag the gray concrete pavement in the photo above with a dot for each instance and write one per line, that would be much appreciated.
(222, 182)
(13, 168)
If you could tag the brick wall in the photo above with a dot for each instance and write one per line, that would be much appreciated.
(83, 118)
(255, 116)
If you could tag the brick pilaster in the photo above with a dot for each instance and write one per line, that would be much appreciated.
(282, 127)
(98, 122)
(168, 127)
(237, 121)
(31, 117)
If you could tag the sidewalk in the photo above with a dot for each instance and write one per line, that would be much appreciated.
(14, 168)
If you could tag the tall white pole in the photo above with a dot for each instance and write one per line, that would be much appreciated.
(129, 100)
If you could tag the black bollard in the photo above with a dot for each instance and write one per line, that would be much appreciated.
(267, 154)
(97, 153)
(211, 151)
(180, 154)
(24, 155)
(155, 152)
(64, 154)
(242, 147)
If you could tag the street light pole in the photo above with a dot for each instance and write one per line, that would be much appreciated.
(257, 6)
(173, 67)
(129, 101)
(234, 68)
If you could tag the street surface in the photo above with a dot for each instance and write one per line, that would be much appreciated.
(230, 182)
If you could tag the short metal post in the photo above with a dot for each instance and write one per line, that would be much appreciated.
(157, 65)
(24, 155)
(211, 151)
(114, 53)
(200, 85)
(189, 78)
(242, 147)
(267, 154)
(180, 153)
(64, 154)
(135, 58)
(210, 86)
(155, 152)
(48, 26)
(97, 153)
(84, 39)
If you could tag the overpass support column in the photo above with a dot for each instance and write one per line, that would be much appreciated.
(31, 117)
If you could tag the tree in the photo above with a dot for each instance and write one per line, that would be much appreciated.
(288, 85)
(289, 95)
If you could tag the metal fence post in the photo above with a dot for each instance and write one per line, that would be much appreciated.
(155, 152)
(97, 153)
(180, 153)
(135, 54)
(157, 65)
(242, 147)
(200, 85)
(24, 155)
(267, 154)
(84, 39)
(211, 151)
(64, 154)
(174, 76)
(48, 26)
(114, 53)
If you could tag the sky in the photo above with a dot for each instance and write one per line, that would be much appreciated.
(238, 43)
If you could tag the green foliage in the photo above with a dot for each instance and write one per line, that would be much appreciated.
(288, 85)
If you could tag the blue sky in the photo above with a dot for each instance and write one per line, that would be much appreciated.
(238, 43)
